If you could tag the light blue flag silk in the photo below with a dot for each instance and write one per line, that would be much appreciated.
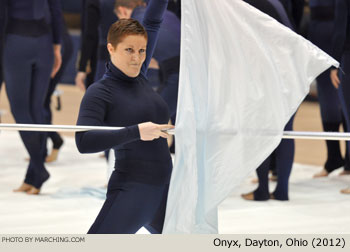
(242, 76)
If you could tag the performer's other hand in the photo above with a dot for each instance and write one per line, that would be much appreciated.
(153, 64)
(150, 131)
(80, 80)
(334, 78)
(57, 60)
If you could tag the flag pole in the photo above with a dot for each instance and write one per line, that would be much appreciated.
(310, 135)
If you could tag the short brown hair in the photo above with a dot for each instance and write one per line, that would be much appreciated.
(128, 3)
(122, 28)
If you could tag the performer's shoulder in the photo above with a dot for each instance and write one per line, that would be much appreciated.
(98, 86)
(98, 89)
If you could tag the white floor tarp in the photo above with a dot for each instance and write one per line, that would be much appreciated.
(73, 196)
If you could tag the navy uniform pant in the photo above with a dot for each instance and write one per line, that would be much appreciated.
(282, 158)
(67, 52)
(332, 117)
(330, 106)
(344, 94)
(27, 67)
(130, 206)
(320, 33)
(344, 89)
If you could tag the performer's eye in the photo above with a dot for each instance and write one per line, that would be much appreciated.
(142, 51)
(129, 50)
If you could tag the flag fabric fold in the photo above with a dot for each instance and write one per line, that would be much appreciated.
(242, 76)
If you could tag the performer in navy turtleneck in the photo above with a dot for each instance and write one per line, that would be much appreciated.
(341, 52)
(137, 189)
(320, 33)
(31, 54)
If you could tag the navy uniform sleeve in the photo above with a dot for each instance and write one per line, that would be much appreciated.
(56, 20)
(90, 33)
(92, 113)
(152, 21)
(340, 24)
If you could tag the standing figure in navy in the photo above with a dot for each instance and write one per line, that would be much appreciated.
(320, 34)
(98, 17)
(31, 55)
(67, 52)
(341, 52)
(138, 187)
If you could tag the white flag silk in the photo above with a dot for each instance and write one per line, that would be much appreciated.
(242, 76)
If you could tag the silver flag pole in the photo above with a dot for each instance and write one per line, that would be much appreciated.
(316, 135)
(54, 128)
(73, 128)
(51, 128)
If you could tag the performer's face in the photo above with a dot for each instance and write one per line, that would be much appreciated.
(129, 54)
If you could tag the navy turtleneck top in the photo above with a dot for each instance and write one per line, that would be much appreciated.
(122, 101)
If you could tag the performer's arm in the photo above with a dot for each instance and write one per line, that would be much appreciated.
(152, 21)
(56, 20)
(56, 24)
(92, 113)
(90, 33)
(89, 39)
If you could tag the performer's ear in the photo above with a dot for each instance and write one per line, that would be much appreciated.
(110, 48)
